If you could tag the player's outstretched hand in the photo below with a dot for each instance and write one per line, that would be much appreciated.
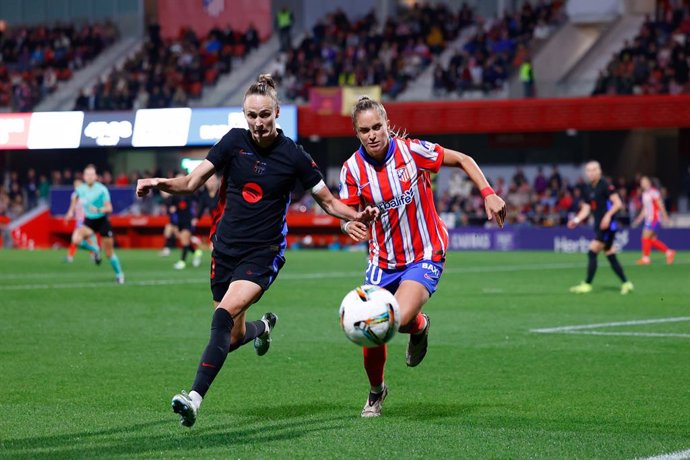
(144, 185)
(572, 224)
(495, 208)
(358, 231)
(369, 214)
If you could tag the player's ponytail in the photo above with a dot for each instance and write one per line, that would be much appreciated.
(367, 103)
(264, 86)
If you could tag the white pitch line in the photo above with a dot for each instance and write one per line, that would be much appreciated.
(681, 455)
(569, 329)
(629, 334)
(290, 276)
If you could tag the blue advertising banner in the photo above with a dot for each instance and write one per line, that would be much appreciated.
(208, 126)
(556, 239)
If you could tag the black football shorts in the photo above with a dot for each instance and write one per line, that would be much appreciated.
(258, 265)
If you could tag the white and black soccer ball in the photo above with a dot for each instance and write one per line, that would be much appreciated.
(369, 316)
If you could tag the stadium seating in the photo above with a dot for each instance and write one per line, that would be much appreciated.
(657, 61)
(168, 72)
(354, 53)
(35, 59)
(499, 47)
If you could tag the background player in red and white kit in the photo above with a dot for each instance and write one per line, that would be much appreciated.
(654, 214)
(260, 167)
(408, 243)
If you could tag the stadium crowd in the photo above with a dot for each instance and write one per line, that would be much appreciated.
(657, 61)
(33, 60)
(500, 46)
(168, 72)
(546, 201)
(341, 52)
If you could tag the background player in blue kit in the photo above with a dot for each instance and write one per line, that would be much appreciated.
(260, 167)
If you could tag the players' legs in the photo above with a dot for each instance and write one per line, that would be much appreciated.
(169, 233)
(595, 247)
(85, 238)
(185, 236)
(627, 286)
(227, 326)
(647, 236)
(108, 248)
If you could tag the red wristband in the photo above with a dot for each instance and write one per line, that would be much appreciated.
(486, 191)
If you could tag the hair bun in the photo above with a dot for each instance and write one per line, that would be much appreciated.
(267, 79)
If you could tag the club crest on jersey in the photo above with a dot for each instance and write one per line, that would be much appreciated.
(403, 175)
(259, 168)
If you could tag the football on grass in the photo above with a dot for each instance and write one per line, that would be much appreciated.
(369, 316)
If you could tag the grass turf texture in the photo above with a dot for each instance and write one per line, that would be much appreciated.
(89, 367)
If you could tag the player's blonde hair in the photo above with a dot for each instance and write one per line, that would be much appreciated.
(366, 103)
(265, 85)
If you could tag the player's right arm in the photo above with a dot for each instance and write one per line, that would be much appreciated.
(638, 219)
(72, 205)
(585, 209)
(184, 185)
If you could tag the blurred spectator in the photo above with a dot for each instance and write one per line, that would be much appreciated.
(31, 188)
(284, 22)
(657, 61)
(501, 45)
(169, 72)
(35, 59)
(358, 53)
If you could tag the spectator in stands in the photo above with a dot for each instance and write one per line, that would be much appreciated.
(31, 189)
(35, 59)
(284, 22)
(656, 62)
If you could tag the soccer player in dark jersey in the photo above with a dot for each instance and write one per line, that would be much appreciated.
(184, 208)
(207, 200)
(260, 167)
(602, 201)
(170, 229)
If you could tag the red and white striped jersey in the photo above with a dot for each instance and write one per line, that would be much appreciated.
(650, 205)
(409, 229)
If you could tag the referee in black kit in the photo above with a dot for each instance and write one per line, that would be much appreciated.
(260, 167)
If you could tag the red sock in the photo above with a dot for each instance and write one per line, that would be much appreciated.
(72, 249)
(646, 247)
(416, 326)
(374, 362)
(659, 245)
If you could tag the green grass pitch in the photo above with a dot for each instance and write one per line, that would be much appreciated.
(88, 367)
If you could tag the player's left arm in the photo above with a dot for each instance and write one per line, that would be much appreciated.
(616, 205)
(337, 208)
(662, 210)
(494, 204)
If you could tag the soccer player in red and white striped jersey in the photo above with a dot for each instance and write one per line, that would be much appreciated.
(408, 242)
(653, 212)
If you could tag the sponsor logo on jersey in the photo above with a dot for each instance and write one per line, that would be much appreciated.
(259, 168)
(252, 192)
(398, 201)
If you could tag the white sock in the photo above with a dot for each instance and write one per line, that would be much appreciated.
(196, 398)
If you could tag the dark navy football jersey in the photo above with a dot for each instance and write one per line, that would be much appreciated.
(255, 189)
(598, 197)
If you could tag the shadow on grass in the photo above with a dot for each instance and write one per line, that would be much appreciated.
(426, 411)
(254, 426)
